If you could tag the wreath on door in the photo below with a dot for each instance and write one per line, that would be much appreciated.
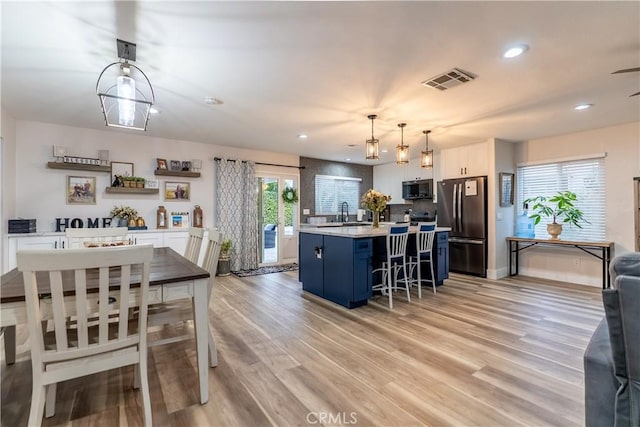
(289, 195)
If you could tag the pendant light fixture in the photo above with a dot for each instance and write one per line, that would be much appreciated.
(426, 158)
(125, 93)
(402, 151)
(372, 144)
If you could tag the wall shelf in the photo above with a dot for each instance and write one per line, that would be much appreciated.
(184, 174)
(129, 190)
(78, 167)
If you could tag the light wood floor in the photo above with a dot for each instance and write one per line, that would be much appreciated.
(478, 353)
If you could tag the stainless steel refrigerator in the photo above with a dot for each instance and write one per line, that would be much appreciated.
(462, 205)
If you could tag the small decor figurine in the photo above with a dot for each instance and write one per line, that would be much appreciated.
(375, 201)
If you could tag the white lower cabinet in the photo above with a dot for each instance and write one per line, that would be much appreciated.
(156, 239)
(176, 240)
(31, 243)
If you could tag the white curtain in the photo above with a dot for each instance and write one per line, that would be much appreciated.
(236, 211)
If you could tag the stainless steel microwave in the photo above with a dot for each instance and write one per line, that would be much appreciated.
(417, 189)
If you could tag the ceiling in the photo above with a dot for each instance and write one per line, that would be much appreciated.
(319, 68)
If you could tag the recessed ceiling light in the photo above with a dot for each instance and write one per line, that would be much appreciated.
(348, 159)
(303, 136)
(583, 106)
(385, 150)
(212, 101)
(514, 51)
(352, 145)
(153, 110)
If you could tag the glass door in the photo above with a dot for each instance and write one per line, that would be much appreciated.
(277, 220)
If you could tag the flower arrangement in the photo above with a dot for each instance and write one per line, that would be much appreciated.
(374, 200)
(123, 212)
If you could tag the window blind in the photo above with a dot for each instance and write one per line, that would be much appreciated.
(331, 191)
(585, 177)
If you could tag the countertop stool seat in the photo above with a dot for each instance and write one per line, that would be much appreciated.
(395, 264)
(424, 253)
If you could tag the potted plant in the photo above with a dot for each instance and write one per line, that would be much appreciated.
(560, 207)
(139, 182)
(224, 260)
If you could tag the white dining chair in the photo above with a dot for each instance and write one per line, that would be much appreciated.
(182, 310)
(96, 237)
(424, 253)
(194, 243)
(396, 263)
(91, 346)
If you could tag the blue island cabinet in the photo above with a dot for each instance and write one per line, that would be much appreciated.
(336, 268)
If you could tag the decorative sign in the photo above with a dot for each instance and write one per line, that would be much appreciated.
(82, 160)
(179, 220)
(64, 223)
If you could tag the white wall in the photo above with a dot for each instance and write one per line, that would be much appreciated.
(622, 163)
(40, 191)
(500, 219)
(7, 176)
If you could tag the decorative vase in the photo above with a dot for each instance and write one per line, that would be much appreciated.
(132, 222)
(376, 219)
(122, 222)
(554, 230)
(224, 266)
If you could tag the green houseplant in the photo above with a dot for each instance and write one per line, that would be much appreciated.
(560, 207)
(224, 260)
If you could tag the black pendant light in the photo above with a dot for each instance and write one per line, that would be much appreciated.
(372, 144)
(402, 151)
(426, 158)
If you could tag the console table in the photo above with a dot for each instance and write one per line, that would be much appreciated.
(517, 244)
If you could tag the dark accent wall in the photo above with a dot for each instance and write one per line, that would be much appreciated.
(313, 167)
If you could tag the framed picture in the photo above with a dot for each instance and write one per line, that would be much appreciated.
(120, 169)
(162, 164)
(176, 191)
(179, 220)
(506, 189)
(81, 190)
(175, 165)
(186, 166)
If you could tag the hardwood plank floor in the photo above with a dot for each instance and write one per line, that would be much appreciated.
(477, 353)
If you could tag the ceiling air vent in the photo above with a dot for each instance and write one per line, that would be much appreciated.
(449, 79)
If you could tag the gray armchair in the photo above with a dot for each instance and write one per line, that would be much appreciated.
(612, 358)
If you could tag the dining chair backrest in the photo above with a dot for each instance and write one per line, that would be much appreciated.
(95, 237)
(87, 270)
(212, 253)
(194, 243)
(67, 352)
(424, 237)
(397, 240)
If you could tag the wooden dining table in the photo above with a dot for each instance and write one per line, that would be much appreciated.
(172, 277)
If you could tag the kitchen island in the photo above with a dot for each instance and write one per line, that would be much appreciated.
(336, 263)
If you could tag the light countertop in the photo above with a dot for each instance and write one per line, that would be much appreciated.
(359, 231)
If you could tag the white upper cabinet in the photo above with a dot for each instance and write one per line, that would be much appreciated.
(388, 179)
(468, 160)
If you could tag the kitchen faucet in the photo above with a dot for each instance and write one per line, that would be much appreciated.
(342, 209)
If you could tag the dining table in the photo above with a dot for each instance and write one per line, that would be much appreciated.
(172, 277)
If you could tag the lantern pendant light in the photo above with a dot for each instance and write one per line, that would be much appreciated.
(426, 158)
(372, 144)
(402, 151)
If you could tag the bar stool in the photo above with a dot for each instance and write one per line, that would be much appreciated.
(396, 262)
(424, 253)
